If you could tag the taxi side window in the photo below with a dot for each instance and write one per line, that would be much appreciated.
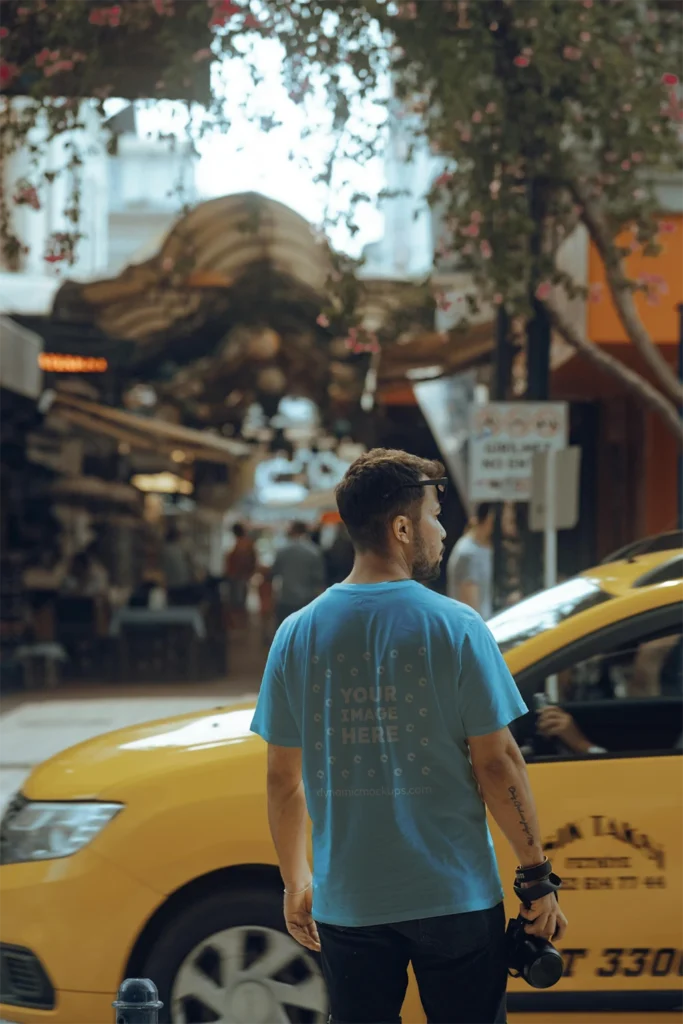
(650, 668)
(623, 699)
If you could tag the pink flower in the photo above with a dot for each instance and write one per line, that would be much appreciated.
(465, 135)
(23, 12)
(637, 158)
(477, 117)
(8, 72)
(585, 37)
(443, 179)
(222, 13)
(667, 227)
(467, 250)
(494, 188)
(639, 193)
(595, 292)
(322, 320)
(521, 62)
(572, 53)
(163, 8)
(498, 299)
(627, 108)
(476, 217)
(485, 249)
(42, 57)
(610, 157)
(471, 230)
(587, 3)
(491, 108)
(543, 291)
(493, 27)
(669, 78)
(626, 165)
(597, 63)
(106, 16)
(203, 54)
(532, 22)
(4, 32)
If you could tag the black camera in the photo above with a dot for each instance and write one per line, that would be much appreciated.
(529, 957)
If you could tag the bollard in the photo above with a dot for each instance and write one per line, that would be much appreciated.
(138, 1002)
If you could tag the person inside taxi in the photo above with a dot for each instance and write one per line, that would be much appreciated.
(655, 670)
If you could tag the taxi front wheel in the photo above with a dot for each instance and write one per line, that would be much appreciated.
(228, 958)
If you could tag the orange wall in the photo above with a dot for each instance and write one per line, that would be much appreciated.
(661, 320)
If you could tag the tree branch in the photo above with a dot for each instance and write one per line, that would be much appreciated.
(623, 297)
(633, 381)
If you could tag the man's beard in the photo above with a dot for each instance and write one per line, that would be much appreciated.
(424, 570)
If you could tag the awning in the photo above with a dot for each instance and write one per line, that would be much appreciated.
(146, 433)
(207, 253)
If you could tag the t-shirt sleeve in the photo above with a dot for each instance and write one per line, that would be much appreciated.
(273, 719)
(489, 698)
(467, 568)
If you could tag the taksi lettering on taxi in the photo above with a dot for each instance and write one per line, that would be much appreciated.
(600, 825)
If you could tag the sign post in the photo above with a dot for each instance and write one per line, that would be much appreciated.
(550, 531)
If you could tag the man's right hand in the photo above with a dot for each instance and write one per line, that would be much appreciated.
(545, 917)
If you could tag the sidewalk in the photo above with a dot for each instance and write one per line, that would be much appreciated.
(36, 725)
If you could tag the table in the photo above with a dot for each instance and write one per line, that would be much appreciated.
(166, 626)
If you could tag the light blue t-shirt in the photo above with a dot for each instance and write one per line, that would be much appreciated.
(380, 684)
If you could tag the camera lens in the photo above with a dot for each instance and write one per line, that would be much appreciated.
(545, 970)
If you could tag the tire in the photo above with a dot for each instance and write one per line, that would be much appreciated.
(227, 958)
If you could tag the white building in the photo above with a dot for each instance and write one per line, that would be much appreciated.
(129, 200)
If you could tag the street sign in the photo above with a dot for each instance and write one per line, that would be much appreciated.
(504, 436)
(564, 511)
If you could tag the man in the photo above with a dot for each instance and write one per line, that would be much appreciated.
(378, 701)
(240, 566)
(470, 567)
(299, 567)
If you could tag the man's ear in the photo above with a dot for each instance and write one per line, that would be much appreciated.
(402, 529)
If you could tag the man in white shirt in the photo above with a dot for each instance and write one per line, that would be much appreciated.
(469, 574)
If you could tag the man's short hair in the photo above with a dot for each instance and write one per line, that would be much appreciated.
(238, 530)
(377, 487)
(483, 511)
(298, 529)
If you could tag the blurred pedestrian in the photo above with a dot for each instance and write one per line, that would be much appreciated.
(385, 706)
(339, 557)
(178, 568)
(299, 572)
(240, 566)
(469, 573)
(87, 576)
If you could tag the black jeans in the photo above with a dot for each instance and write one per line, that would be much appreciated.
(459, 963)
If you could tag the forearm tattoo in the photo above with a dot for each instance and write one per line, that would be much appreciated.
(523, 823)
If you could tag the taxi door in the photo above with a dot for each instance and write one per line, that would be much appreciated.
(613, 828)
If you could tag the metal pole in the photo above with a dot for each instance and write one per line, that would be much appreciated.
(680, 411)
(550, 533)
(137, 1002)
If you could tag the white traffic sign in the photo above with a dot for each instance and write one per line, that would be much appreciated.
(504, 436)
(564, 499)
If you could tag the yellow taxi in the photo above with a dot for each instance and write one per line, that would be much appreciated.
(146, 852)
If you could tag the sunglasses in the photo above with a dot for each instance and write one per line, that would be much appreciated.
(441, 484)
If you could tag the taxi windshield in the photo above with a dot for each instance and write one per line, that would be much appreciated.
(544, 611)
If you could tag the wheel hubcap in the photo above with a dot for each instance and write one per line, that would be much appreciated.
(249, 975)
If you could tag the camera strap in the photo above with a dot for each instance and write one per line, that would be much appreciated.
(543, 887)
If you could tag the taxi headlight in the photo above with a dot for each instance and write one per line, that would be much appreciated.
(32, 830)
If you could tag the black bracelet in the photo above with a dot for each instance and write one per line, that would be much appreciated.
(545, 887)
(534, 874)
